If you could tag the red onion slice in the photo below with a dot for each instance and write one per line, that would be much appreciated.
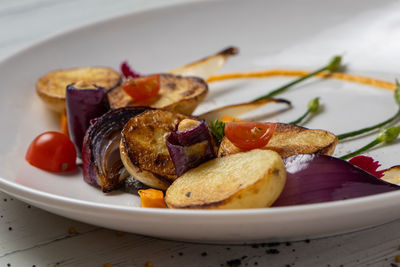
(190, 148)
(102, 165)
(320, 178)
(82, 106)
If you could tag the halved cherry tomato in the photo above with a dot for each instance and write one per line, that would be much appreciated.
(249, 135)
(53, 152)
(142, 88)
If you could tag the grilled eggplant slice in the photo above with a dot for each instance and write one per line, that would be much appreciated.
(144, 150)
(177, 93)
(252, 179)
(289, 140)
(51, 87)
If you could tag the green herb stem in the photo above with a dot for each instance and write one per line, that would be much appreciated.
(361, 150)
(286, 86)
(333, 65)
(370, 128)
(312, 108)
(301, 118)
(386, 135)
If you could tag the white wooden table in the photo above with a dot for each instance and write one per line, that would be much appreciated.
(32, 237)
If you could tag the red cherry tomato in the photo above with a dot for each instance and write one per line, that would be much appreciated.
(249, 135)
(142, 88)
(53, 152)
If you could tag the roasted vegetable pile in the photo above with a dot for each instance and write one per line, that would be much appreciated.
(137, 132)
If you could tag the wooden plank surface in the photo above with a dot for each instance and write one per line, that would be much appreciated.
(30, 236)
(33, 237)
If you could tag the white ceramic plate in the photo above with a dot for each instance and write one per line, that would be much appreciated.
(270, 34)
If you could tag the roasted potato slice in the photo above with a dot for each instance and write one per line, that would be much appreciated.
(51, 87)
(252, 179)
(290, 140)
(177, 93)
(144, 145)
(146, 177)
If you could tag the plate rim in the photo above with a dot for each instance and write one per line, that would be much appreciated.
(23, 192)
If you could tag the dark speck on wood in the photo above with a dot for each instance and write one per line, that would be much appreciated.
(234, 263)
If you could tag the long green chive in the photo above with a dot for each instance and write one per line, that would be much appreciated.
(333, 65)
(312, 108)
(379, 125)
(386, 135)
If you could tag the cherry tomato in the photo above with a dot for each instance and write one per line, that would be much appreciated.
(53, 152)
(142, 88)
(249, 135)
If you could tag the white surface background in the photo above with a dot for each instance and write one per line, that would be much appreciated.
(32, 237)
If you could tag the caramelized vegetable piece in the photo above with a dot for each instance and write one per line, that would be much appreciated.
(101, 162)
(145, 177)
(190, 145)
(208, 66)
(151, 198)
(52, 87)
(177, 94)
(290, 140)
(83, 103)
(144, 143)
(252, 179)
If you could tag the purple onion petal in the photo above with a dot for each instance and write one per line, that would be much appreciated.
(320, 178)
(190, 148)
(102, 165)
(82, 106)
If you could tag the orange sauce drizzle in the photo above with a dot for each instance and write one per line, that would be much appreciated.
(284, 72)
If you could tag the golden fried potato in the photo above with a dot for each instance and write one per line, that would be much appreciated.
(146, 177)
(177, 93)
(51, 87)
(290, 140)
(252, 179)
(143, 143)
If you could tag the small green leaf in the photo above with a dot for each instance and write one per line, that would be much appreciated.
(334, 64)
(217, 129)
(397, 93)
(313, 105)
(388, 135)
